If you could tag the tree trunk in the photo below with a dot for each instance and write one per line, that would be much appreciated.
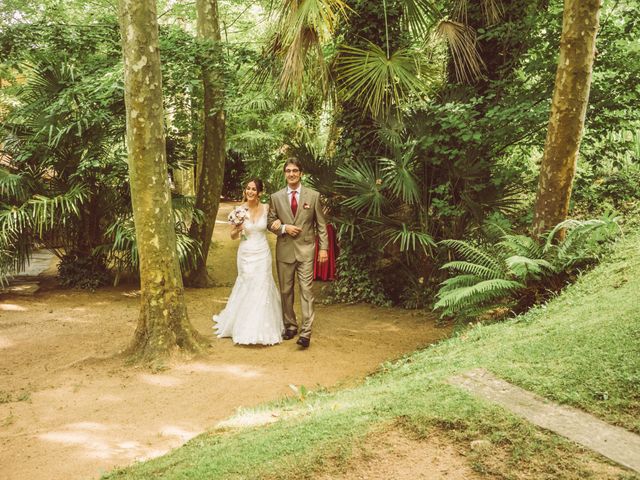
(211, 168)
(568, 110)
(163, 324)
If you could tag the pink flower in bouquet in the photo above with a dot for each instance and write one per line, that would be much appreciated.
(237, 217)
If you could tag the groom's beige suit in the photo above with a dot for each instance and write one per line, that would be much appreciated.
(295, 255)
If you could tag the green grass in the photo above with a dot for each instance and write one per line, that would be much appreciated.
(581, 349)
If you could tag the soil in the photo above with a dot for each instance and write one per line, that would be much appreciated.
(72, 408)
(396, 455)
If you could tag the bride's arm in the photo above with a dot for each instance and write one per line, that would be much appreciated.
(273, 222)
(235, 231)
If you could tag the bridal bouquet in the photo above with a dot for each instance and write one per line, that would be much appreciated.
(237, 216)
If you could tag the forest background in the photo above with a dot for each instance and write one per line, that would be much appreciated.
(422, 123)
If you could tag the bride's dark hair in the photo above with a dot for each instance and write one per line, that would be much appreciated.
(259, 187)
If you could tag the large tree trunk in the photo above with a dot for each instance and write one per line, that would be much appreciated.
(211, 169)
(163, 324)
(568, 110)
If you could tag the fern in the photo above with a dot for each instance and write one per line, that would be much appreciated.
(456, 300)
(472, 253)
(478, 271)
(488, 279)
(524, 268)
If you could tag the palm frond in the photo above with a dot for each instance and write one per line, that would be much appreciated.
(122, 252)
(12, 184)
(492, 10)
(409, 239)
(398, 175)
(375, 81)
(461, 39)
(360, 182)
(304, 25)
(420, 15)
(287, 120)
(47, 211)
(252, 140)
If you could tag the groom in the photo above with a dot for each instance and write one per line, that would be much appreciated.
(297, 213)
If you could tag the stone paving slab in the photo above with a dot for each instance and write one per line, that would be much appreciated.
(41, 260)
(615, 443)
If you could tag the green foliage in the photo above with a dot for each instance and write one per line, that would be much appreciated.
(121, 251)
(355, 280)
(377, 80)
(519, 270)
(85, 272)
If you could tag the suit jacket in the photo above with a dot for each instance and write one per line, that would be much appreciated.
(309, 217)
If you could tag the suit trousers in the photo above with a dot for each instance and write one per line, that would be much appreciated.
(287, 273)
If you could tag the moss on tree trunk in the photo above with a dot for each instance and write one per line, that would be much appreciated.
(211, 169)
(163, 324)
(568, 111)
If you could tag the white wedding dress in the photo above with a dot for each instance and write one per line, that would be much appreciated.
(253, 314)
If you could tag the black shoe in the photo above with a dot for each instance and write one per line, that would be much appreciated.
(304, 342)
(289, 334)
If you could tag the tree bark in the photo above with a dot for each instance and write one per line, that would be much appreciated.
(568, 111)
(211, 168)
(163, 324)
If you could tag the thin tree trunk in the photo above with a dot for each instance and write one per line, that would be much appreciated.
(568, 111)
(163, 324)
(211, 168)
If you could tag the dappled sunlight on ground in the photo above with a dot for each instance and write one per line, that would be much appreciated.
(249, 419)
(5, 342)
(242, 371)
(131, 294)
(160, 380)
(12, 307)
(88, 411)
(101, 442)
(180, 433)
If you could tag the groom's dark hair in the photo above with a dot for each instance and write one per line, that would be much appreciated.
(293, 161)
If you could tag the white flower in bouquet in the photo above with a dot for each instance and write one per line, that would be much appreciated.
(237, 217)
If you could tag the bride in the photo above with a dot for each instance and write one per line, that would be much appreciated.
(253, 314)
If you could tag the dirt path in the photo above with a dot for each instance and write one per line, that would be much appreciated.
(70, 410)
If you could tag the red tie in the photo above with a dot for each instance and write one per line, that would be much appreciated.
(294, 203)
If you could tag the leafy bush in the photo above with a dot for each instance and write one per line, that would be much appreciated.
(121, 251)
(519, 271)
(83, 272)
(353, 281)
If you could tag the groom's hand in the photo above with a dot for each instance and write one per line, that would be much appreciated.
(292, 230)
(322, 256)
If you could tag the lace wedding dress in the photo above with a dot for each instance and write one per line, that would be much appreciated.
(253, 314)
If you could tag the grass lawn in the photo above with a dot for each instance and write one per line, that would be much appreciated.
(581, 349)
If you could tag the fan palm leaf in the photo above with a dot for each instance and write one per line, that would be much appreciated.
(461, 39)
(399, 176)
(408, 238)
(360, 182)
(378, 81)
(420, 15)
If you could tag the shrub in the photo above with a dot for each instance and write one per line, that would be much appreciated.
(81, 271)
(519, 271)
